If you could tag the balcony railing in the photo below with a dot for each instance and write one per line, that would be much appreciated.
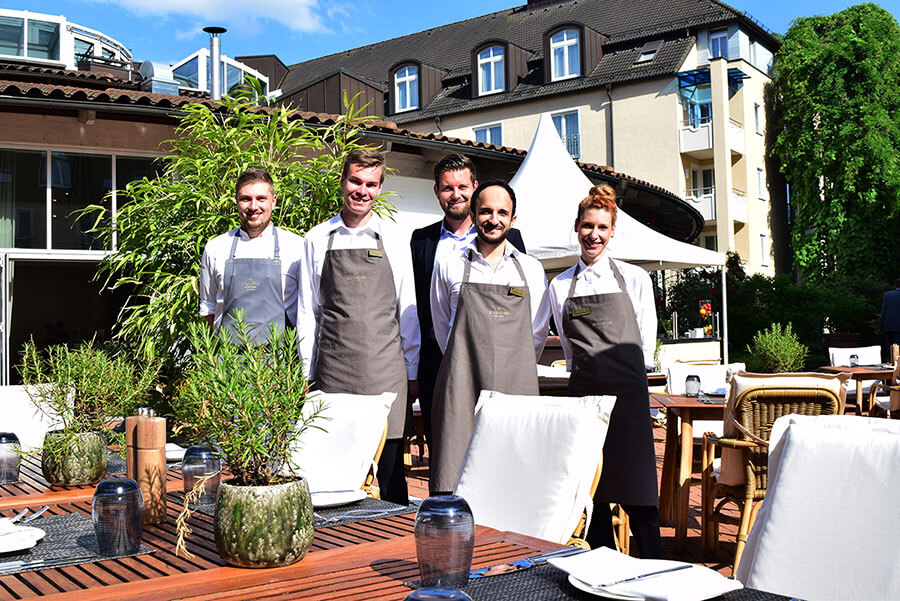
(704, 200)
(573, 145)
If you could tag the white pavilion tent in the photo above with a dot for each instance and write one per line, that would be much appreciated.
(549, 185)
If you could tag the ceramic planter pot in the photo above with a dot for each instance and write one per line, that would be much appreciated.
(84, 463)
(263, 526)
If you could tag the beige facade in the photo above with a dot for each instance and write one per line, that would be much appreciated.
(712, 156)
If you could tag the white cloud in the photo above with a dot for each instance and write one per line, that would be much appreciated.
(238, 15)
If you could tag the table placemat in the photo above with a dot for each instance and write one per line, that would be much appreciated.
(547, 583)
(327, 517)
(67, 536)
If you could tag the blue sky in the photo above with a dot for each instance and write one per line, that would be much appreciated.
(297, 30)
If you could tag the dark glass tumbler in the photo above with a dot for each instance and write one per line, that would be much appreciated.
(9, 458)
(118, 514)
(437, 594)
(445, 538)
(200, 460)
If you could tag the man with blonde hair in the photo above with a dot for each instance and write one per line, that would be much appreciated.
(356, 316)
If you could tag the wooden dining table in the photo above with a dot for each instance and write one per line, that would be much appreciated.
(675, 488)
(860, 374)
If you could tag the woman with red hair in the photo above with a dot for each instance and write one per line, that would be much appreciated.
(606, 315)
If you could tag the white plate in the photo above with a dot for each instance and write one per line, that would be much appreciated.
(19, 538)
(583, 586)
(337, 498)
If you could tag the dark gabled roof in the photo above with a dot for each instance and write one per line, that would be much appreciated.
(612, 68)
(627, 23)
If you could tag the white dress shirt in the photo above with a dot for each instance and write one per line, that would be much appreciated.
(450, 243)
(218, 250)
(599, 279)
(396, 247)
(447, 280)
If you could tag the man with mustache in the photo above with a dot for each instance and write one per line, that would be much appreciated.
(490, 313)
(454, 182)
(254, 267)
(356, 316)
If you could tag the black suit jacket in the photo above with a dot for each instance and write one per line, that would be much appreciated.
(888, 321)
(424, 245)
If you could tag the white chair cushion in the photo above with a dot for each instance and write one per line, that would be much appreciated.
(531, 462)
(732, 459)
(713, 378)
(20, 417)
(868, 355)
(807, 541)
(337, 453)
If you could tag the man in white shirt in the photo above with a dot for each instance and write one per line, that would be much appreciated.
(454, 182)
(254, 267)
(490, 314)
(356, 318)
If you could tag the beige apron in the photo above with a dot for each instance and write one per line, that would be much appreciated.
(359, 350)
(491, 347)
(608, 358)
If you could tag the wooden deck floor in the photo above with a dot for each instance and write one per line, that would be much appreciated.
(417, 478)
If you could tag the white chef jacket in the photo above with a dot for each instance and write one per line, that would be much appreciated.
(218, 250)
(447, 279)
(396, 248)
(599, 279)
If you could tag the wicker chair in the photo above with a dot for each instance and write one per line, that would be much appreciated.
(755, 410)
(886, 405)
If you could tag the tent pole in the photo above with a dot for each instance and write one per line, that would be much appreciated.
(724, 323)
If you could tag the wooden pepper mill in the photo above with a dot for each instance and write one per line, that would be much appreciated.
(145, 461)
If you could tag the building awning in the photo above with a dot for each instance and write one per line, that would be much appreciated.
(698, 77)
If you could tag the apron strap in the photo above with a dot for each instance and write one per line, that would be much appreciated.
(331, 240)
(519, 269)
(234, 242)
(513, 257)
(574, 277)
(618, 275)
(237, 236)
(468, 266)
(275, 235)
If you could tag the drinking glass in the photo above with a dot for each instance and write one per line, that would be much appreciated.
(854, 360)
(445, 539)
(692, 386)
(437, 594)
(118, 514)
(200, 460)
(9, 458)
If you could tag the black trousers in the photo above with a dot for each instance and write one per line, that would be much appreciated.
(644, 521)
(429, 364)
(392, 473)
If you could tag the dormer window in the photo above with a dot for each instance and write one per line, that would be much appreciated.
(406, 88)
(565, 55)
(491, 73)
(648, 52)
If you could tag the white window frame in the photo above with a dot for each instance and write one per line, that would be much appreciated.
(753, 52)
(408, 81)
(761, 183)
(492, 61)
(757, 118)
(566, 134)
(718, 40)
(563, 46)
(487, 127)
(764, 250)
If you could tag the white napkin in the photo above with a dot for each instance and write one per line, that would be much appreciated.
(174, 452)
(605, 565)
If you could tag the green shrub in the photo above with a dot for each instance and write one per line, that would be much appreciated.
(777, 350)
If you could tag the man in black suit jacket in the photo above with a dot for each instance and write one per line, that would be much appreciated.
(888, 321)
(454, 182)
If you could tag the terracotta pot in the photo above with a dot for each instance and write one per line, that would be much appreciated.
(263, 526)
(84, 461)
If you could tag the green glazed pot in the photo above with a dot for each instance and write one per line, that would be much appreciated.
(84, 461)
(263, 526)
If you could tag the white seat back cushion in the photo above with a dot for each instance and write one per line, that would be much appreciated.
(868, 355)
(338, 456)
(818, 468)
(20, 417)
(531, 462)
(732, 459)
(713, 378)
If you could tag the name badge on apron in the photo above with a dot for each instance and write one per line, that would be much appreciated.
(516, 291)
(376, 253)
(581, 312)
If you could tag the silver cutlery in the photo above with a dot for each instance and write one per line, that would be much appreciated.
(522, 564)
(36, 514)
(601, 587)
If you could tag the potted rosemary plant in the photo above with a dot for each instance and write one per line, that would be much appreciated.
(247, 400)
(82, 390)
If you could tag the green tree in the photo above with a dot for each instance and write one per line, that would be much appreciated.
(837, 118)
(163, 227)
